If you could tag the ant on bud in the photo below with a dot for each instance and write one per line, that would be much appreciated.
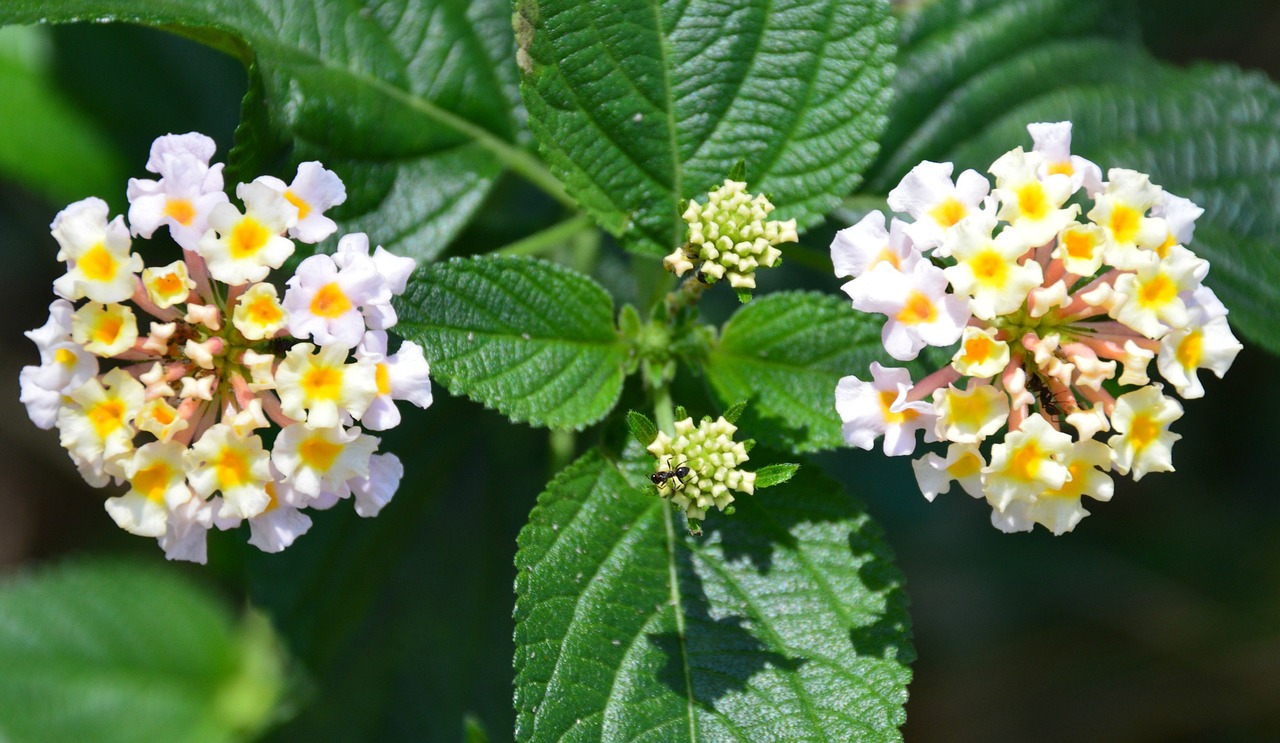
(1050, 403)
(661, 477)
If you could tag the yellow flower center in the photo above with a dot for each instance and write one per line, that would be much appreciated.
(1124, 223)
(319, 454)
(108, 329)
(1190, 350)
(322, 383)
(894, 419)
(97, 263)
(990, 268)
(1032, 202)
(232, 469)
(967, 465)
(272, 503)
(106, 417)
(330, 301)
(164, 413)
(1025, 462)
(948, 212)
(152, 481)
(247, 238)
(886, 256)
(1079, 244)
(382, 376)
(64, 356)
(1157, 292)
(180, 211)
(264, 310)
(169, 284)
(1163, 249)
(918, 309)
(977, 349)
(1062, 168)
(303, 207)
(1143, 431)
(967, 411)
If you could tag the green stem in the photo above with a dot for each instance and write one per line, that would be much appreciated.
(544, 241)
(686, 295)
(664, 410)
(562, 443)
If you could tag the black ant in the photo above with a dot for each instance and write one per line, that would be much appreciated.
(678, 474)
(1049, 402)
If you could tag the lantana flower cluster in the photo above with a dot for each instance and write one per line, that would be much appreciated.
(1060, 289)
(730, 237)
(195, 384)
(713, 460)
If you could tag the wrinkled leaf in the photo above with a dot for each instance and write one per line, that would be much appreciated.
(785, 353)
(786, 621)
(529, 338)
(638, 105)
(411, 103)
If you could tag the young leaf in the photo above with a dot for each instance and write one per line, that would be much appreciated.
(410, 103)
(1201, 133)
(123, 652)
(626, 627)
(641, 427)
(775, 474)
(529, 338)
(786, 352)
(734, 412)
(640, 104)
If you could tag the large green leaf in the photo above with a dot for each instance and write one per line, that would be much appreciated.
(51, 147)
(125, 652)
(785, 353)
(785, 621)
(974, 73)
(411, 102)
(532, 339)
(640, 104)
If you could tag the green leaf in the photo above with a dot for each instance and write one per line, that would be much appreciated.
(110, 651)
(626, 628)
(734, 412)
(51, 148)
(775, 474)
(530, 338)
(786, 352)
(411, 103)
(640, 104)
(974, 73)
(641, 427)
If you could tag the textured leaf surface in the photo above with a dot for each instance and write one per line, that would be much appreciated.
(530, 338)
(1211, 134)
(410, 102)
(784, 622)
(785, 353)
(119, 652)
(638, 104)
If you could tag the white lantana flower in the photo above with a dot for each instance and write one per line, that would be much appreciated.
(100, 265)
(324, 302)
(188, 190)
(937, 204)
(402, 376)
(878, 408)
(313, 191)
(240, 248)
(920, 313)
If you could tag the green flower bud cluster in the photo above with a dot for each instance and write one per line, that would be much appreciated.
(712, 458)
(730, 237)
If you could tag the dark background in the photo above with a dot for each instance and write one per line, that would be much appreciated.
(1157, 620)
